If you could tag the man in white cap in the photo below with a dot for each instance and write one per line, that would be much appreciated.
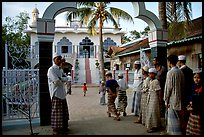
(137, 87)
(188, 74)
(59, 110)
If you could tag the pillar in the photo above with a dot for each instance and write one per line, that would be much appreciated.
(127, 69)
(157, 41)
(45, 32)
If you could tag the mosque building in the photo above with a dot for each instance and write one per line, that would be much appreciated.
(74, 43)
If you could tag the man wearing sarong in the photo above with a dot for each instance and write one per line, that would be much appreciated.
(59, 110)
(172, 96)
(112, 90)
(137, 88)
(188, 74)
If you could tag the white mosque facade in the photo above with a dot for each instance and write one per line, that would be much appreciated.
(74, 43)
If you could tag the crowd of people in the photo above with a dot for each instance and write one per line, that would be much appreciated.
(174, 94)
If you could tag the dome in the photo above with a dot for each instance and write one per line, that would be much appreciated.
(35, 10)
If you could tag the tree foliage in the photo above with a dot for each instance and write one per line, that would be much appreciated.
(13, 34)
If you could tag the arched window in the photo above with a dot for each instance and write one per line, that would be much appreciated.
(86, 48)
(107, 43)
(64, 46)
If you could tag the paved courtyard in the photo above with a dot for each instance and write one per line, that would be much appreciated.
(88, 117)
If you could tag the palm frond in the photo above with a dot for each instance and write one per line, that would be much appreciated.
(121, 13)
(111, 18)
(91, 26)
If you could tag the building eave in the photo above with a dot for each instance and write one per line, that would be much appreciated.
(184, 40)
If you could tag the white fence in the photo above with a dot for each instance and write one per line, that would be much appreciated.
(20, 94)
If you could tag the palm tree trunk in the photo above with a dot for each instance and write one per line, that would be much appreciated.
(101, 50)
(162, 14)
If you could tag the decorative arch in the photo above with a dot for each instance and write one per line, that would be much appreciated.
(64, 46)
(86, 48)
(58, 7)
(150, 18)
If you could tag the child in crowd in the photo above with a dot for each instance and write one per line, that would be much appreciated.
(195, 107)
(145, 89)
(84, 89)
(122, 97)
(153, 119)
(112, 90)
(102, 92)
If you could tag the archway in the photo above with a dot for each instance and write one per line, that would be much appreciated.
(157, 37)
(45, 33)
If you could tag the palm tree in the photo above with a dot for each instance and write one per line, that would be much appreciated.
(162, 14)
(92, 13)
(176, 12)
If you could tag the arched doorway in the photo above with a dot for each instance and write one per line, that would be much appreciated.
(86, 48)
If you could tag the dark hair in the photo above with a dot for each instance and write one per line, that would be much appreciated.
(173, 59)
(109, 74)
(84, 83)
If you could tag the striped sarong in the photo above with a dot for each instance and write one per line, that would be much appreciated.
(122, 101)
(59, 113)
(111, 104)
(194, 126)
(173, 126)
(136, 100)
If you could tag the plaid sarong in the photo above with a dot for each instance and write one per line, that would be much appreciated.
(194, 126)
(59, 113)
(173, 126)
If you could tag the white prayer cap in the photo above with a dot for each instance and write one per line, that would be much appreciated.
(120, 75)
(145, 68)
(181, 57)
(153, 70)
(69, 73)
(137, 62)
(56, 55)
(197, 70)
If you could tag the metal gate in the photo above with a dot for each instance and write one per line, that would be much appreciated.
(20, 94)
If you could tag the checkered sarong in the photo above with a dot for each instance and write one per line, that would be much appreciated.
(59, 113)
(173, 122)
(194, 126)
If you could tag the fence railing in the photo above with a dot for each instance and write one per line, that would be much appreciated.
(20, 94)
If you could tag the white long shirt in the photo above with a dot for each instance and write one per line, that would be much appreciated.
(123, 86)
(138, 80)
(56, 82)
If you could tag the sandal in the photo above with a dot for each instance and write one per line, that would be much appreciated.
(109, 114)
(138, 121)
(117, 118)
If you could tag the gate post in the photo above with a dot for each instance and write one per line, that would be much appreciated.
(45, 32)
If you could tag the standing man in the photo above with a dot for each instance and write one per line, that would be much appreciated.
(137, 88)
(161, 77)
(59, 110)
(188, 74)
(174, 87)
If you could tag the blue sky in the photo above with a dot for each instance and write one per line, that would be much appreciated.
(13, 9)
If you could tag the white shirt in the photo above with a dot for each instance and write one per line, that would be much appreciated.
(69, 78)
(123, 86)
(56, 82)
(138, 80)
